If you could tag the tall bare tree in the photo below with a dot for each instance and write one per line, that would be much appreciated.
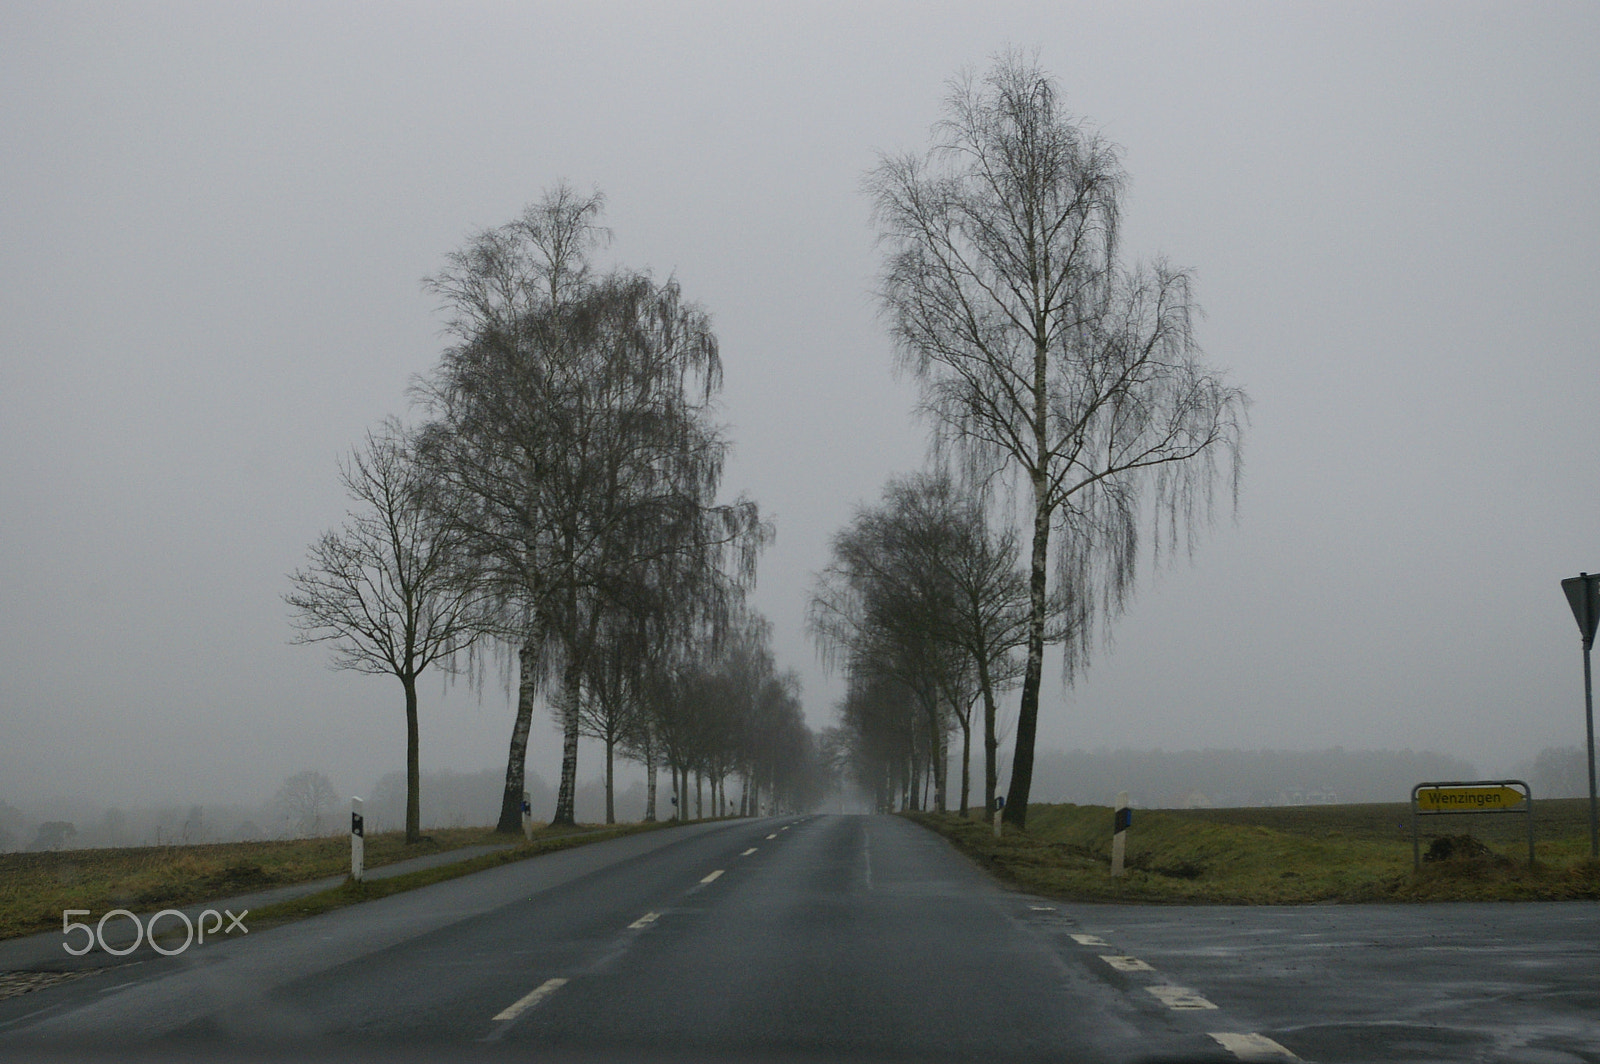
(1041, 357)
(498, 401)
(391, 589)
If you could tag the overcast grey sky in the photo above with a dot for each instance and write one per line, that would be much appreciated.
(214, 219)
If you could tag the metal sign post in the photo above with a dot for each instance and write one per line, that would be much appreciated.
(358, 841)
(1454, 797)
(1583, 594)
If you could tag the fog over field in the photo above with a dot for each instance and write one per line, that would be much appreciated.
(215, 220)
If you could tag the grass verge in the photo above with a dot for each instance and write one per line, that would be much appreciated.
(36, 887)
(352, 893)
(1266, 857)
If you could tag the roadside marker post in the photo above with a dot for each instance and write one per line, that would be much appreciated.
(358, 840)
(999, 808)
(1455, 797)
(1583, 595)
(1119, 833)
(527, 817)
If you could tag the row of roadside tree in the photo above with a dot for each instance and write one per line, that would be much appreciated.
(556, 513)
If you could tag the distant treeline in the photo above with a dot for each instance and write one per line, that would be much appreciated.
(451, 799)
(1199, 778)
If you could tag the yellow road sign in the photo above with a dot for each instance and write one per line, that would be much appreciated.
(1467, 799)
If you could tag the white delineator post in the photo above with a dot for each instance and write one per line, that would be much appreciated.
(999, 811)
(358, 840)
(1119, 833)
(527, 817)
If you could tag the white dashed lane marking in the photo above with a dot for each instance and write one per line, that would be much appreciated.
(1245, 1045)
(773, 835)
(748, 852)
(1253, 1047)
(712, 876)
(1177, 997)
(529, 1000)
(645, 921)
(1127, 964)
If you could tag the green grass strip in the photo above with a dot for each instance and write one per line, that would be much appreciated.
(1186, 857)
(36, 887)
(352, 893)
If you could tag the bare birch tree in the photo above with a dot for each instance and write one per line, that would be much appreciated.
(498, 400)
(1041, 357)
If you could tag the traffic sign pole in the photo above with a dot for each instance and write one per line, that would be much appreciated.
(1588, 714)
(1583, 593)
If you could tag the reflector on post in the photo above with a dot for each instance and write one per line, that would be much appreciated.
(358, 840)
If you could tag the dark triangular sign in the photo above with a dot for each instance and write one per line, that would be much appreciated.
(1584, 594)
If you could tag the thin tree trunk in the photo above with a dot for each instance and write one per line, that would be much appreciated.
(611, 807)
(413, 765)
(649, 782)
(516, 764)
(966, 759)
(1016, 812)
(991, 742)
(567, 795)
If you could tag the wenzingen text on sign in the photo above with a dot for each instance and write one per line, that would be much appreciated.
(1467, 799)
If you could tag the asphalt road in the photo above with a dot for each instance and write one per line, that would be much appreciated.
(840, 938)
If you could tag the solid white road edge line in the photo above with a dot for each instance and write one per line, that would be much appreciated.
(529, 1000)
(644, 921)
(1252, 1047)
(712, 876)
